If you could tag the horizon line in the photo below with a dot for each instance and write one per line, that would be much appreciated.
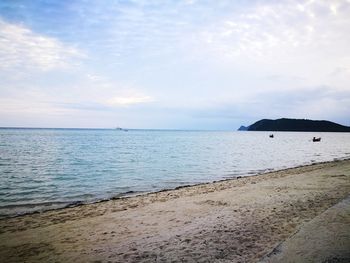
(117, 128)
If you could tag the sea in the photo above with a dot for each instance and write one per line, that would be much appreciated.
(43, 169)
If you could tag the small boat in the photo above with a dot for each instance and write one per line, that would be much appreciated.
(314, 139)
(271, 135)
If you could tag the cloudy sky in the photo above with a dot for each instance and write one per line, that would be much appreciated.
(185, 64)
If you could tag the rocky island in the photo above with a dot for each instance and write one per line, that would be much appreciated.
(297, 125)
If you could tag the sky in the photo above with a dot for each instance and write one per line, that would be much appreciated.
(166, 64)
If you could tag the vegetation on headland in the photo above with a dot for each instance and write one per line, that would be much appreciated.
(298, 125)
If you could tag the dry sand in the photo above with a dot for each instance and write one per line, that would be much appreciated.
(239, 220)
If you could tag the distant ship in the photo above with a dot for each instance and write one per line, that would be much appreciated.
(121, 129)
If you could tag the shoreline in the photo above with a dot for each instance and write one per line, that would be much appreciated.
(131, 194)
(230, 220)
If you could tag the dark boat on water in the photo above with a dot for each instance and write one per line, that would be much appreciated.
(271, 136)
(314, 139)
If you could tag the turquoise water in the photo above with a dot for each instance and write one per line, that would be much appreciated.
(50, 168)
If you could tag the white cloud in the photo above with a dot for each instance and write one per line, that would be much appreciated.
(20, 47)
(272, 31)
(192, 56)
(190, 2)
(129, 100)
(94, 77)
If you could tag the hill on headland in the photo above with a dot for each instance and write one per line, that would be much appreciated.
(300, 125)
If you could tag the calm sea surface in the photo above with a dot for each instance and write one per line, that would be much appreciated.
(50, 168)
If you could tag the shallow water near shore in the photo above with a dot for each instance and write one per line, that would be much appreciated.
(50, 168)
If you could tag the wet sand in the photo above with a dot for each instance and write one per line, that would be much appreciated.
(238, 220)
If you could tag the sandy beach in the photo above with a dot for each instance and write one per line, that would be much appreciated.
(249, 219)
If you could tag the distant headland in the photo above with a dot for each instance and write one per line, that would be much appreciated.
(297, 125)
